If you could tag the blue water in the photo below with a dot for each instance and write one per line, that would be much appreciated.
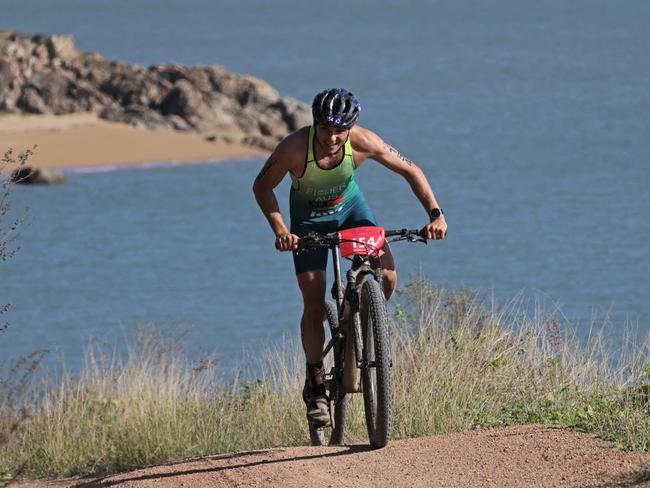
(530, 119)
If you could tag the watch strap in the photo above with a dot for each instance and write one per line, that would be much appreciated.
(435, 213)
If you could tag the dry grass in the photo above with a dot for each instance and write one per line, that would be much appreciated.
(458, 364)
(468, 366)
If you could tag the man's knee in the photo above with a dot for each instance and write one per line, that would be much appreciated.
(314, 310)
(312, 286)
(389, 277)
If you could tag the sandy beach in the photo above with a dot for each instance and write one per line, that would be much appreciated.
(84, 140)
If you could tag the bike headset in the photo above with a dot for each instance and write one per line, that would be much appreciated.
(336, 107)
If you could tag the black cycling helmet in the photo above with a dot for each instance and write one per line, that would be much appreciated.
(336, 107)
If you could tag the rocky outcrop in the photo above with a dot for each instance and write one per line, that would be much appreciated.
(26, 175)
(47, 74)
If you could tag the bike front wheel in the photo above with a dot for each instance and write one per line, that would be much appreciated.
(375, 371)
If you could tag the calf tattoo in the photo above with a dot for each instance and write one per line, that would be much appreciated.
(397, 153)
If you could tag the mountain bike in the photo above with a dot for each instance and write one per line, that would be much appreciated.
(358, 326)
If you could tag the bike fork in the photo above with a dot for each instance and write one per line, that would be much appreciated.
(336, 261)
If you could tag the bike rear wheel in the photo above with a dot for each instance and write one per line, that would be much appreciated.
(323, 436)
(375, 371)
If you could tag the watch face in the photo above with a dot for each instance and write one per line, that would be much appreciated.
(434, 214)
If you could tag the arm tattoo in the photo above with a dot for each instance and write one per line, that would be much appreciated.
(397, 153)
(269, 162)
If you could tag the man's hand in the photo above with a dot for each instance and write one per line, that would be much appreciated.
(437, 229)
(287, 242)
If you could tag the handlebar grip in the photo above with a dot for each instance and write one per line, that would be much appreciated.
(300, 245)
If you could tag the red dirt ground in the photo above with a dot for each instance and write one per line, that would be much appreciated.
(528, 456)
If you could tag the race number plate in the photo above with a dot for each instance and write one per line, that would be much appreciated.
(361, 240)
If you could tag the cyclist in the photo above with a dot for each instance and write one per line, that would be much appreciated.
(321, 160)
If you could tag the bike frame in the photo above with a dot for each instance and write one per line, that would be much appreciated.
(356, 275)
(366, 243)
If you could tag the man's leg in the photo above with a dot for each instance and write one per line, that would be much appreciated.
(312, 285)
(390, 282)
(389, 274)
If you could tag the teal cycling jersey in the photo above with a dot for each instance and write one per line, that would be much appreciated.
(325, 200)
(323, 192)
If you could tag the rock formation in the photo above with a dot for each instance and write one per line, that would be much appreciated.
(27, 175)
(47, 74)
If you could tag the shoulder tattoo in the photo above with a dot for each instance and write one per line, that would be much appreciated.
(265, 169)
(397, 153)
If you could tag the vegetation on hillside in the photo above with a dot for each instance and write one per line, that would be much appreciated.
(458, 364)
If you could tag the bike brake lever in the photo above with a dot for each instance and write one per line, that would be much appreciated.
(418, 239)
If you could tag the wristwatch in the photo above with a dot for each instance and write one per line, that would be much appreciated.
(435, 213)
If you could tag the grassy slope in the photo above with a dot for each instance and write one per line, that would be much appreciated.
(458, 364)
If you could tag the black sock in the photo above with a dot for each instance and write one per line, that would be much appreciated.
(315, 377)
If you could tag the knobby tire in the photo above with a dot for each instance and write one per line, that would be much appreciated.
(375, 373)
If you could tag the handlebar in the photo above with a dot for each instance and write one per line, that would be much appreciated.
(315, 240)
(412, 235)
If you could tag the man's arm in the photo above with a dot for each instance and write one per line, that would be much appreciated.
(270, 176)
(371, 145)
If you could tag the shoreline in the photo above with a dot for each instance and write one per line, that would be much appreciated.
(83, 141)
(144, 165)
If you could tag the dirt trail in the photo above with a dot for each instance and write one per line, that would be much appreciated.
(529, 456)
